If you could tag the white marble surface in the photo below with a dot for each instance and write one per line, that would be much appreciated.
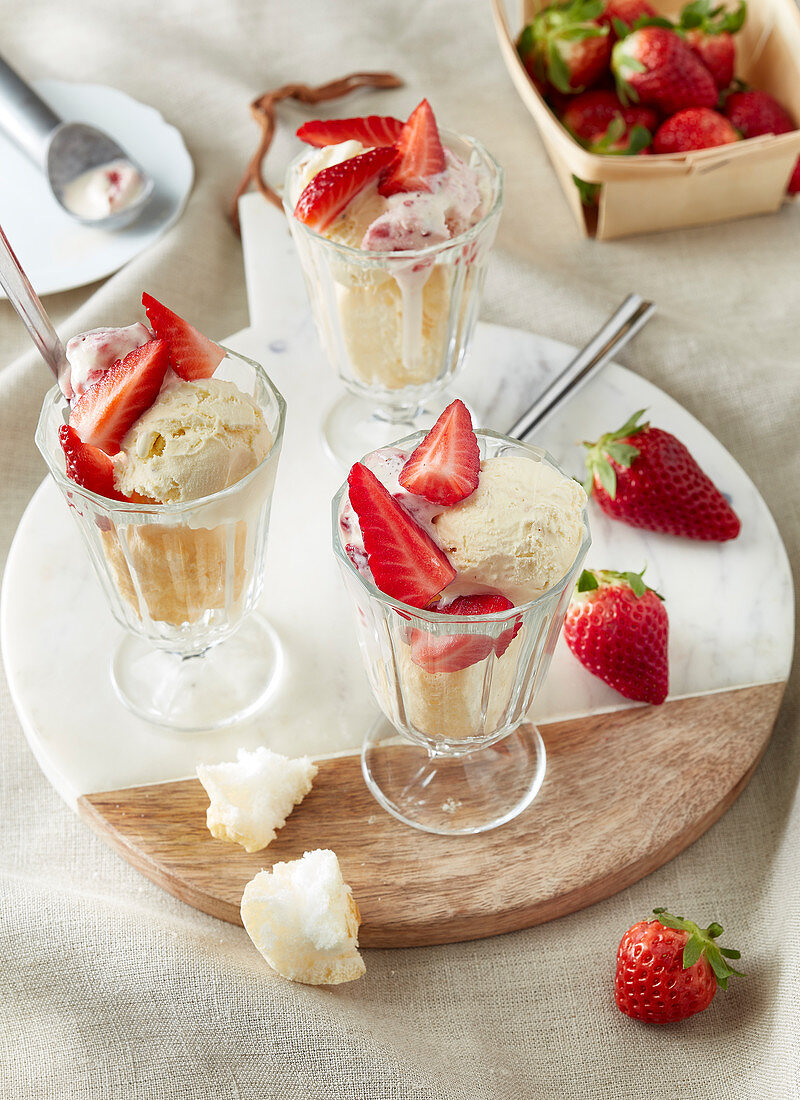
(730, 605)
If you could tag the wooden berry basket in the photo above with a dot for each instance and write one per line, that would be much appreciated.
(647, 194)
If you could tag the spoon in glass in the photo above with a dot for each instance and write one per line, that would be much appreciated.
(26, 302)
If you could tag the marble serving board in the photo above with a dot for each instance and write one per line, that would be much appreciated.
(130, 779)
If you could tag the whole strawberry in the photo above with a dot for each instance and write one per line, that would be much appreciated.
(654, 66)
(618, 629)
(566, 46)
(709, 31)
(628, 12)
(646, 477)
(755, 113)
(590, 115)
(668, 969)
(693, 128)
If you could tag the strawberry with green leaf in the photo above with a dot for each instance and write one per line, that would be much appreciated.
(655, 66)
(618, 629)
(618, 141)
(646, 477)
(602, 123)
(631, 13)
(709, 30)
(566, 46)
(669, 969)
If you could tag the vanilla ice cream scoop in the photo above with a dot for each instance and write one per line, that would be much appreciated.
(198, 438)
(518, 533)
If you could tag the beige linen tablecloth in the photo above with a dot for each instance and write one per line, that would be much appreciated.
(113, 989)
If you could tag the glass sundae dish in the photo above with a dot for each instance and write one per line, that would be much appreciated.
(393, 223)
(460, 551)
(165, 447)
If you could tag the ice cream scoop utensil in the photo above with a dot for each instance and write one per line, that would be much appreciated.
(615, 334)
(26, 302)
(64, 151)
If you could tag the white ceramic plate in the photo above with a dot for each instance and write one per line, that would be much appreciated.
(58, 253)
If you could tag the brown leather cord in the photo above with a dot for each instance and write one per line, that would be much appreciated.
(263, 110)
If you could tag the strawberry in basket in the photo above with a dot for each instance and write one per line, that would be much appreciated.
(693, 128)
(602, 123)
(566, 46)
(655, 66)
(629, 12)
(753, 113)
(709, 31)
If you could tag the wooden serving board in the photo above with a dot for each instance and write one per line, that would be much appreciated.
(624, 792)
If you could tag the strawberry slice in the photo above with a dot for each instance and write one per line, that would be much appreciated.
(405, 561)
(191, 354)
(444, 468)
(452, 652)
(487, 604)
(421, 154)
(103, 415)
(88, 466)
(374, 130)
(329, 192)
(448, 652)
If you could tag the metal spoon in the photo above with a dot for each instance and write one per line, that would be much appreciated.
(615, 334)
(63, 150)
(26, 302)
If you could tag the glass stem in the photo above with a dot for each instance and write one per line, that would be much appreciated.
(398, 414)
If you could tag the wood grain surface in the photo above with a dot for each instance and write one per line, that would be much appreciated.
(624, 792)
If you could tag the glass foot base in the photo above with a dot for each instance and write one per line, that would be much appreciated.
(453, 795)
(223, 685)
(354, 426)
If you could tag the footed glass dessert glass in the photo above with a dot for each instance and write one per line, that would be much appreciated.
(183, 579)
(453, 753)
(395, 325)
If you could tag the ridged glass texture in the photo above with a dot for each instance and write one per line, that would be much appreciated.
(458, 711)
(396, 325)
(182, 576)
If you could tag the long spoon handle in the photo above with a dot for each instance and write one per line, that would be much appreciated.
(26, 302)
(615, 333)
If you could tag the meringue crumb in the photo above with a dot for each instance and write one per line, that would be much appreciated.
(303, 919)
(252, 796)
